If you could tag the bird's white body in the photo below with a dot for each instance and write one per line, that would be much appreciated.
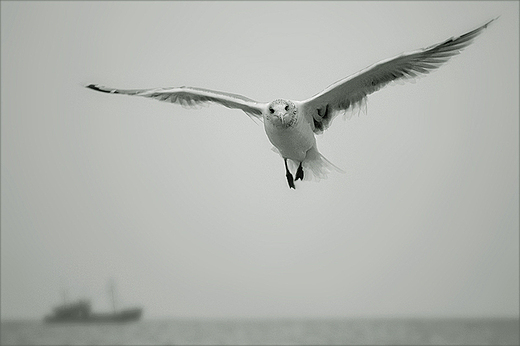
(294, 138)
(294, 141)
(291, 125)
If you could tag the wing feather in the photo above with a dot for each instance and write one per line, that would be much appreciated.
(352, 91)
(191, 97)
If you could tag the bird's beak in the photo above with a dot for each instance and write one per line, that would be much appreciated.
(284, 118)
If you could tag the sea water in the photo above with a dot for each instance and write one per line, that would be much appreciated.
(267, 332)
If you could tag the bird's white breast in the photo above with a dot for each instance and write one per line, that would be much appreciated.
(294, 141)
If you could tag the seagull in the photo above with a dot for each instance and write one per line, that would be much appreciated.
(291, 125)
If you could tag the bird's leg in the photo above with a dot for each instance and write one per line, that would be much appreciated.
(299, 172)
(288, 175)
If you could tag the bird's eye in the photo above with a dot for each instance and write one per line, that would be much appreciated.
(286, 108)
(271, 110)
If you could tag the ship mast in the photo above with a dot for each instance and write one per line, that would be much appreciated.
(113, 294)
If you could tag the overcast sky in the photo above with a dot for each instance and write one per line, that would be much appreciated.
(189, 210)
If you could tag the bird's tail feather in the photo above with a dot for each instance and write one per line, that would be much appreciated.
(316, 166)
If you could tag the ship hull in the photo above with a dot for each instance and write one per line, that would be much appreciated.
(122, 316)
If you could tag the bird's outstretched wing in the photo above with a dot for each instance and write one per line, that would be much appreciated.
(352, 91)
(189, 97)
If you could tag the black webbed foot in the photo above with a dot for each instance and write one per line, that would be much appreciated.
(289, 176)
(299, 172)
(290, 180)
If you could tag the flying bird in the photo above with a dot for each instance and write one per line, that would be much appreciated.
(291, 125)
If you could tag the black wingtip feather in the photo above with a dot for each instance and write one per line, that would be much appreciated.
(95, 87)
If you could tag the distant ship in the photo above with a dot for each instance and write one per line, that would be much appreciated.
(80, 312)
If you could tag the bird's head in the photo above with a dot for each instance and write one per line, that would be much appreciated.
(282, 113)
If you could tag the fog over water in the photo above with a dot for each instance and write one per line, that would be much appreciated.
(188, 210)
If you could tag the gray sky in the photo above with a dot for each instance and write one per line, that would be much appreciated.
(189, 210)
